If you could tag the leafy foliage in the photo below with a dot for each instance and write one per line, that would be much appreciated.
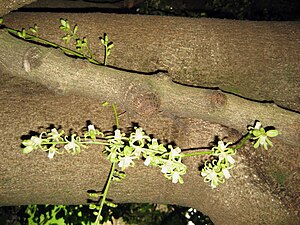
(131, 213)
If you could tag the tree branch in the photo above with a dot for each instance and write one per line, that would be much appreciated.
(141, 94)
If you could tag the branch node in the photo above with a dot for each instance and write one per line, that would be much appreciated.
(217, 100)
(32, 59)
(142, 101)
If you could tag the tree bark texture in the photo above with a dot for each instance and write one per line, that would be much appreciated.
(7, 6)
(40, 86)
(254, 60)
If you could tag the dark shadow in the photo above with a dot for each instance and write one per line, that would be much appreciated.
(80, 10)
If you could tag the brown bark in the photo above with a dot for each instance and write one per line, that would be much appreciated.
(255, 60)
(65, 91)
(7, 6)
(247, 198)
(145, 95)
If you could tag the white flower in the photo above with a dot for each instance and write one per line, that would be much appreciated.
(54, 134)
(51, 152)
(156, 147)
(257, 125)
(167, 167)
(223, 152)
(154, 144)
(212, 172)
(92, 132)
(138, 136)
(138, 151)
(91, 127)
(147, 161)
(261, 136)
(72, 145)
(118, 135)
(226, 173)
(36, 140)
(210, 176)
(31, 144)
(227, 157)
(174, 152)
(125, 162)
(112, 156)
(175, 177)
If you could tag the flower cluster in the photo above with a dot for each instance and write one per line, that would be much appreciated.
(262, 136)
(52, 142)
(217, 171)
(138, 145)
(123, 149)
(119, 149)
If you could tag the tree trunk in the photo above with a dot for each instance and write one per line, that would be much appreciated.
(40, 87)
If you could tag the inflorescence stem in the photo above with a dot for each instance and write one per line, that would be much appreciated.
(112, 169)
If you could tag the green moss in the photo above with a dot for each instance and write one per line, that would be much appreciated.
(279, 176)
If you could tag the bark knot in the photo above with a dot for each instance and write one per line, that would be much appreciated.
(217, 100)
(32, 59)
(142, 101)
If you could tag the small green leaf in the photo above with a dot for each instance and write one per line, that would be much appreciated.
(67, 38)
(22, 34)
(67, 25)
(105, 103)
(33, 30)
(256, 144)
(111, 204)
(75, 29)
(1, 20)
(110, 45)
(272, 133)
(92, 206)
(63, 22)
(102, 41)
(95, 195)
(256, 133)
(64, 25)
(27, 149)
(269, 142)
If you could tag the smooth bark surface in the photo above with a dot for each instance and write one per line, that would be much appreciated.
(40, 86)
